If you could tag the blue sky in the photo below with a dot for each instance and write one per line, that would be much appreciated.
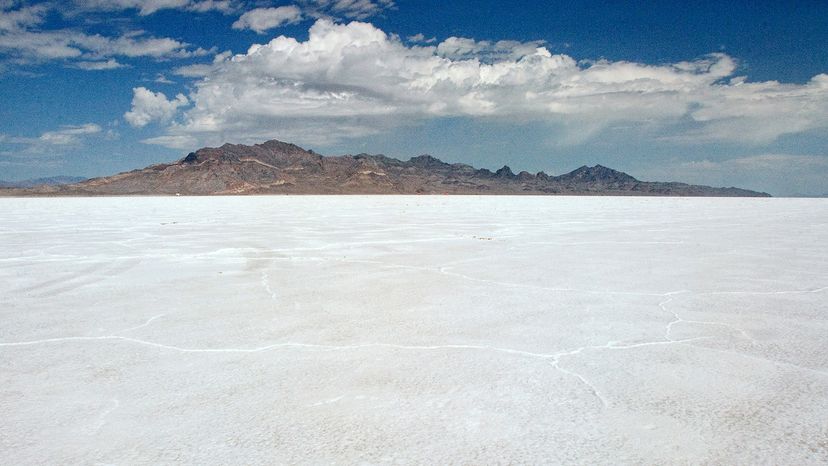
(720, 93)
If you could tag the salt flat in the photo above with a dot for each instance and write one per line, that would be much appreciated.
(474, 330)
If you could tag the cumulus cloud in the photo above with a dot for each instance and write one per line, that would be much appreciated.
(263, 19)
(148, 106)
(349, 80)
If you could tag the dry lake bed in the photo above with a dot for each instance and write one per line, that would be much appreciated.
(430, 330)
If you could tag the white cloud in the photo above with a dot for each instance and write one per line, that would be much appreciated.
(23, 41)
(459, 48)
(353, 79)
(419, 38)
(23, 17)
(262, 19)
(110, 64)
(148, 106)
(134, 44)
(758, 113)
(193, 71)
(161, 79)
(148, 7)
(38, 46)
(266, 18)
(224, 6)
(52, 142)
(68, 135)
(353, 9)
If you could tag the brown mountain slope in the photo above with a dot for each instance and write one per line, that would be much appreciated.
(276, 167)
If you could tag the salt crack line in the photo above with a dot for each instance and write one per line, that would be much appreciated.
(341, 348)
(325, 402)
(114, 336)
(610, 345)
(592, 387)
(145, 324)
(584, 243)
(554, 357)
(652, 343)
(720, 324)
(275, 346)
(817, 290)
(556, 360)
(678, 320)
(669, 328)
(59, 340)
(613, 345)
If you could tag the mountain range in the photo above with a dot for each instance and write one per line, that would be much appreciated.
(276, 167)
(51, 181)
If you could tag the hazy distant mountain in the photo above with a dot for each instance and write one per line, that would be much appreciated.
(809, 195)
(51, 181)
(276, 167)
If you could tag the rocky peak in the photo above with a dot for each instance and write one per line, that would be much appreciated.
(598, 173)
(427, 161)
(505, 172)
(275, 145)
(525, 176)
(275, 153)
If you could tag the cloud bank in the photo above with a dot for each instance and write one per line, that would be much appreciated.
(350, 80)
(148, 7)
(24, 42)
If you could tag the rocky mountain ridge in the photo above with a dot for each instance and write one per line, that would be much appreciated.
(276, 167)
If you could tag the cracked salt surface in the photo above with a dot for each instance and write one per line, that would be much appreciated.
(382, 329)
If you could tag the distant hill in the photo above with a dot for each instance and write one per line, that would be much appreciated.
(276, 167)
(52, 181)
